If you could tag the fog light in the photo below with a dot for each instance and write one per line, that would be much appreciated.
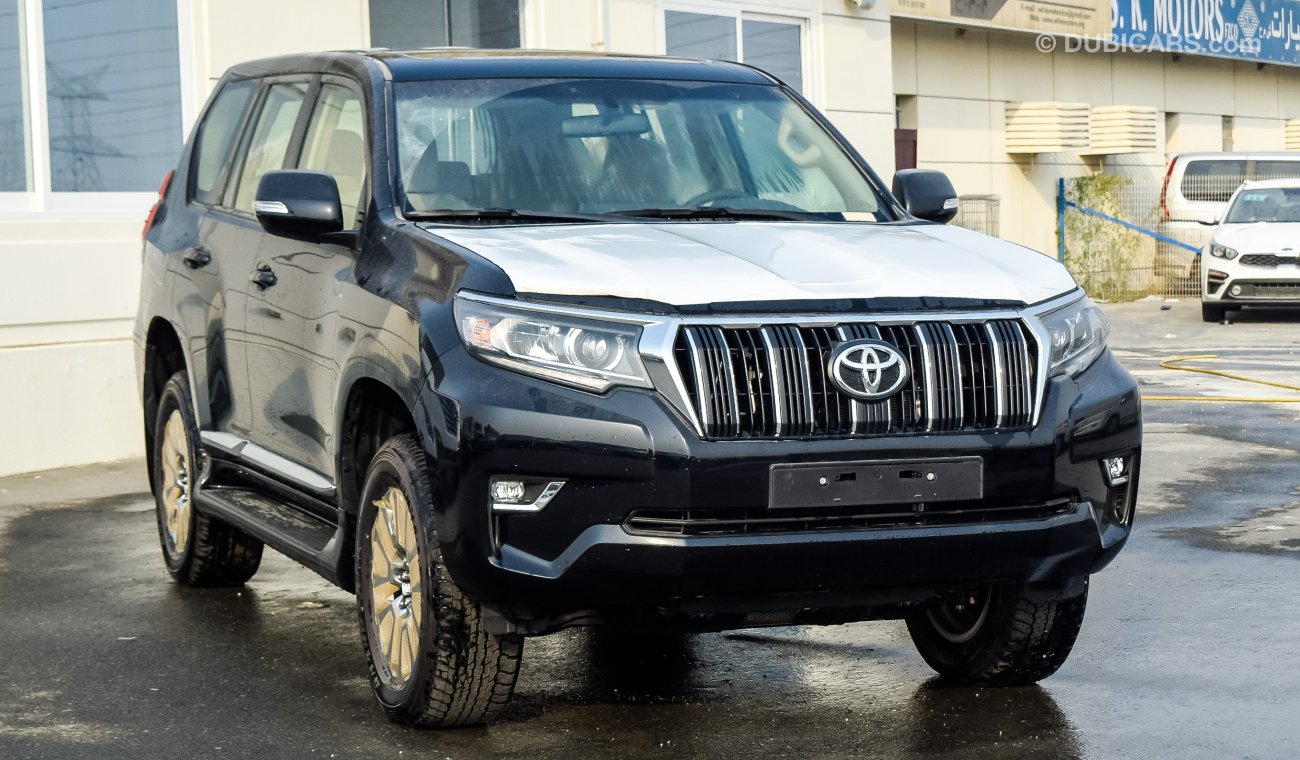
(1116, 469)
(1235, 290)
(529, 495)
(507, 491)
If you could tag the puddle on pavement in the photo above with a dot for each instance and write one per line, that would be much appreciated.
(1269, 531)
(1174, 459)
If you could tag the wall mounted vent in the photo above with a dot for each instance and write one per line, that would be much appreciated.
(1291, 134)
(1123, 129)
(1047, 127)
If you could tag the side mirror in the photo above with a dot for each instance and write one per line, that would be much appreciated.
(298, 204)
(926, 194)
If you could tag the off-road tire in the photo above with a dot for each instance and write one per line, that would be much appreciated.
(1018, 642)
(215, 554)
(463, 674)
(1212, 313)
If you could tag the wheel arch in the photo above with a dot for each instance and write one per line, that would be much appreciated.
(163, 357)
(372, 412)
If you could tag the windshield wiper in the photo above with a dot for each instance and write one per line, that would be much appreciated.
(724, 212)
(513, 214)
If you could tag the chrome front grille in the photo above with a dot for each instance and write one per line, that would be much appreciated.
(771, 381)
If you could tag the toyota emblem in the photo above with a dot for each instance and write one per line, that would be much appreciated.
(869, 370)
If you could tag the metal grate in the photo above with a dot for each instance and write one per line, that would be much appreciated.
(980, 213)
(731, 522)
(1282, 291)
(771, 381)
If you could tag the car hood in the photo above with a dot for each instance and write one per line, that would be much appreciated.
(1259, 237)
(717, 262)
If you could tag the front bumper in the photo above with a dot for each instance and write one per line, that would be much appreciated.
(1232, 283)
(628, 452)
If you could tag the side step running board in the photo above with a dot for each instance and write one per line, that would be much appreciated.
(301, 536)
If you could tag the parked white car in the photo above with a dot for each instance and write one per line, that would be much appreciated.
(1253, 257)
(1196, 191)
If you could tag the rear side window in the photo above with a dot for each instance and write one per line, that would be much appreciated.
(336, 145)
(1212, 180)
(1277, 169)
(270, 142)
(216, 136)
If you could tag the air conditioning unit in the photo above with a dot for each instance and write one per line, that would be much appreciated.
(1047, 127)
(1122, 129)
(1291, 134)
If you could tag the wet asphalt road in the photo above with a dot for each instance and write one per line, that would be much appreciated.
(1190, 649)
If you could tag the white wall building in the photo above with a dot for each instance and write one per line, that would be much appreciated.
(97, 95)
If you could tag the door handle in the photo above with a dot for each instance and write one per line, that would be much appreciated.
(263, 277)
(197, 258)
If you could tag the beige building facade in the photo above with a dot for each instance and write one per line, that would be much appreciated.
(73, 194)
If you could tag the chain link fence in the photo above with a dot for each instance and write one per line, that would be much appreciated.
(1122, 240)
(979, 213)
(1116, 251)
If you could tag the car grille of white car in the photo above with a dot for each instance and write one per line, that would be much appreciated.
(1268, 260)
(1279, 291)
(771, 381)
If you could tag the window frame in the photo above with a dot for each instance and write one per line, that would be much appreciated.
(740, 13)
(223, 173)
(297, 144)
(40, 200)
(236, 169)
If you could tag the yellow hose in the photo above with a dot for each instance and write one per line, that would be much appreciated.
(1171, 364)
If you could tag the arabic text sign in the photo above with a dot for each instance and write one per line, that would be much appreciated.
(1255, 30)
(1079, 17)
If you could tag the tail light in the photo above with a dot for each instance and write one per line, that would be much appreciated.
(157, 206)
(1164, 189)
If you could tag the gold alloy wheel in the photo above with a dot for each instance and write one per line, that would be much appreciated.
(176, 484)
(396, 593)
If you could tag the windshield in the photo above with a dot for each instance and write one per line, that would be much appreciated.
(596, 146)
(1273, 204)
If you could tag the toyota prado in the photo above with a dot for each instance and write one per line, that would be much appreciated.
(514, 342)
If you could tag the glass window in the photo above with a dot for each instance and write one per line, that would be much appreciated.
(336, 145)
(613, 145)
(1277, 169)
(410, 24)
(700, 35)
(270, 142)
(485, 23)
(407, 24)
(216, 136)
(15, 150)
(1265, 204)
(112, 70)
(775, 48)
(1213, 180)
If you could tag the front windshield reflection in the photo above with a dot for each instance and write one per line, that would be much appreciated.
(616, 145)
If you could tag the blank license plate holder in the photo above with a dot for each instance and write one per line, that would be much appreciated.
(891, 481)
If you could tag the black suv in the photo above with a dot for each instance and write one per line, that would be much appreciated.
(512, 342)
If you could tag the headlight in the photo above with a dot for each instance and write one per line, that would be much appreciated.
(1077, 335)
(1222, 251)
(587, 353)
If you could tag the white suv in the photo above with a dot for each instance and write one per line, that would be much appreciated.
(1253, 256)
